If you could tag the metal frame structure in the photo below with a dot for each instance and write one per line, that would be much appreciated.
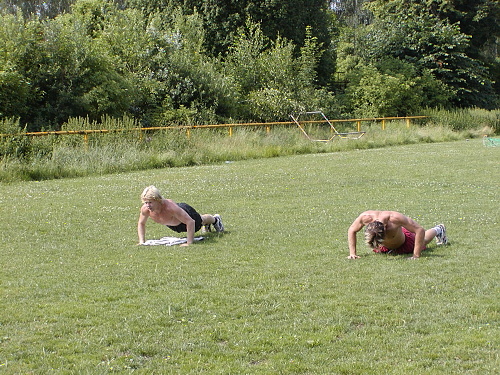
(334, 132)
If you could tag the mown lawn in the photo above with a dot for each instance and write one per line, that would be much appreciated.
(275, 294)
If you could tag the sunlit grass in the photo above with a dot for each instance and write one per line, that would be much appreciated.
(275, 294)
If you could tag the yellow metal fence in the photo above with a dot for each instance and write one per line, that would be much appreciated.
(188, 128)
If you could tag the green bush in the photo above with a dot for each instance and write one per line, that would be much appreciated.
(391, 88)
(12, 142)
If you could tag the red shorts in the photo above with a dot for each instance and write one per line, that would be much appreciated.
(406, 248)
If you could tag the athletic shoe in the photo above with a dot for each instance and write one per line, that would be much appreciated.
(442, 239)
(219, 227)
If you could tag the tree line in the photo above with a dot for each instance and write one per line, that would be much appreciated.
(202, 61)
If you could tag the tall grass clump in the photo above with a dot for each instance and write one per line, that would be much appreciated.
(474, 120)
(10, 125)
(118, 129)
(13, 143)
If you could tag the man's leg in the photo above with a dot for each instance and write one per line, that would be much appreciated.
(439, 231)
(214, 220)
(429, 235)
(207, 219)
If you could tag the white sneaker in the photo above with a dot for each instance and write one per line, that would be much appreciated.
(219, 227)
(442, 239)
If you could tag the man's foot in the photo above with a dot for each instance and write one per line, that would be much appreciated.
(442, 238)
(219, 227)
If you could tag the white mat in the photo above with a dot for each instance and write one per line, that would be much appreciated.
(169, 241)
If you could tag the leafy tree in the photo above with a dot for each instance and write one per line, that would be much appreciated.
(36, 8)
(278, 19)
(410, 31)
(271, 80)
(14, 88)
(167, 61)
(391, 87)
(263, 72)
(480, 19)
(351, 12)
(44, 8)
(193, 80)
(244, 58)
(14, 93)
(67, 74)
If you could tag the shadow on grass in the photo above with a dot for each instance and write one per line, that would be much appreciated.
(212, 237)
(428, 252)
(436, 251)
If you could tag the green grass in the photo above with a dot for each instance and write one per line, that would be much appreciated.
(273, 295)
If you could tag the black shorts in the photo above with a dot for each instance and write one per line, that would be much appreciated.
(193, 214)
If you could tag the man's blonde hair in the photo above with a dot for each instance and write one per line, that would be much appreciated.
(151, 193)
(374, 234)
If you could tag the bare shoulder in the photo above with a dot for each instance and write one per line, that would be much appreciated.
(172, 208)
(170, 205)
(396, 217)
(368, 216)
(144, 210)
(366, 213)
(394, 214)
(363, 219)
(143, 214)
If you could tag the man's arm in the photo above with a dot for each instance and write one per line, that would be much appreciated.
(419, 241)
(416, 228)
(351, 237)
(184, 218)
(141, 226)
(190, 232)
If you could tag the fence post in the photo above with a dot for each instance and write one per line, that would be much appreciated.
(383, 124)
(188, 133)
(358, 125)
(230, 131)
(407, 122)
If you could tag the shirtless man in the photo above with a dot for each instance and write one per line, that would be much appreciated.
(393, 232)
(179, 217)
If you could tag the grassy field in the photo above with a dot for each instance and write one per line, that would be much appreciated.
(275, 294)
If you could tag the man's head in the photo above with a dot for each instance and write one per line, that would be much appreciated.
(374, 234)
(151, 193)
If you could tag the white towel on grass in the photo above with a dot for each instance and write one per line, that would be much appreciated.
(169, 241)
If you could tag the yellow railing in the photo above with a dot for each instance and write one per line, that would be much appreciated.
(188, 128)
